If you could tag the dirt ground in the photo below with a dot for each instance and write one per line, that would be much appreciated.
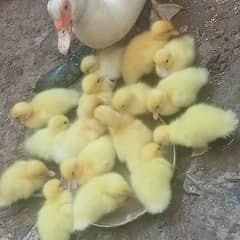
(208, 207)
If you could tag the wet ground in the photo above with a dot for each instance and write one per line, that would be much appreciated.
(208, 207)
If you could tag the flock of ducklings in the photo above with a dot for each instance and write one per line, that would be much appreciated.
(107, 128)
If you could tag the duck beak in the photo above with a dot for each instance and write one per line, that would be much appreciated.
(155, 116)
(64, 40)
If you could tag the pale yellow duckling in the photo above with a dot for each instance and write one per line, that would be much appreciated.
(129, 134)
(43, 106)
(151, 179)
(139, 54)
(69, 143)
(197, 127)
(21, 180)
(96, 91)
(177, 91)
(41, 143)
(55, 218)
(176, 55)
(100, 196)
(132, 98)
(96, 158)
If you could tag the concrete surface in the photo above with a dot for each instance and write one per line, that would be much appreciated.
(28, 48)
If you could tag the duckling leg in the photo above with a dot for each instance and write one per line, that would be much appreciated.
(166, 11)
(196, 152)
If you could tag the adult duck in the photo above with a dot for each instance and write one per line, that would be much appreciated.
(96, 23)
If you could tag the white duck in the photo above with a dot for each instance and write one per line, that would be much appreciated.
(96, 23)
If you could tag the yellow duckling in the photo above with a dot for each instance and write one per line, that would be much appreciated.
(177, 91)
(21, 180)
(176, 55)
(96, 91)
(96, 158)
(132, 98)
(36, 114)
(151, 179)
(41, 143)
(139, 54)
(69, 143)
(55, 218)
(128, 133)
(197, 127)
(100, 196)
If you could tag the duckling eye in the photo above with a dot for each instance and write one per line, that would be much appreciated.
(157, 107)
(65, 122)
(66, 7)
(167, 61)
(98, 81)
(123, 106)
(73, 173)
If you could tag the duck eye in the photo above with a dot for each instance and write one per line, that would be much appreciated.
(66, 7)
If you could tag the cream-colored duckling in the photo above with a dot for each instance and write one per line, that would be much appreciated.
(132, 98)
(41, 143)
(96, 91)
(177, 91)
(176, 55)
(129, 134)
(36, 114)
(197, 127)
(139, 54)
(21, 180)
(100, 196)
(96, 158)
(151, 179)
(55, 218)
(108, 63)
(70, 143)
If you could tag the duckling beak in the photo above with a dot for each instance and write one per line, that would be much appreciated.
(156, 116)
(64, 40)
(73, 185)
(51, 173)
(162, 72)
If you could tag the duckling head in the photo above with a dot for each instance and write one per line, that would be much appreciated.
(154, 102)
(58, 123)
(106, 115)
(92, 83)
(89, 64)
(163, 60)
(37, 169)
(163, 29)
(52, 189)
(69, 171)
(21, 111)
(161, 135)
(151, 150)
(121, 100)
